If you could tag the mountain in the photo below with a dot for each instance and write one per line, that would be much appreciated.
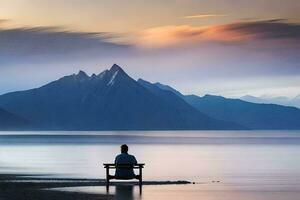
(190, 113)
(167, 88)
(9, 121)
(251, 115)
(285, 101)
(111, 100)
(296, 101)
(253, 99)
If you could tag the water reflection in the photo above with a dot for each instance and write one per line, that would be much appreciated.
(124, 192)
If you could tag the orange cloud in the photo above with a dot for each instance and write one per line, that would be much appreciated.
(185, 35)
(203, 16)
(230, 33)
(224, 33)
(169, 35)
(3, 21)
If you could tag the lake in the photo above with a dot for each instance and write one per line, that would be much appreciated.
(224, 164)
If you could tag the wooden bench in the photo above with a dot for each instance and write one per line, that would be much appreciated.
(109, 166)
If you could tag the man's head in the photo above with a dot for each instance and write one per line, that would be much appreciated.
(124, 148)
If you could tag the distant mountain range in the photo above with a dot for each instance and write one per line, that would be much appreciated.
(112, 100)
(285, 101)
(250, 115)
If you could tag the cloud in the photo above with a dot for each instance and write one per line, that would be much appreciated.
(195, 59)
(230, 33)
(203, 16)
(2, 21)
(55, 41)
(169, 35)
(20, 43)
(268, 29)
(31, 57)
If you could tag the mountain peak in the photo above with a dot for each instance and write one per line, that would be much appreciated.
(117, 73)
(116, 68)
(82, 75)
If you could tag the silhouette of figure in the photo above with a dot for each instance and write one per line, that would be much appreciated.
(125, 158)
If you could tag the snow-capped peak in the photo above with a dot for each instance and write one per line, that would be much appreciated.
(112, 79)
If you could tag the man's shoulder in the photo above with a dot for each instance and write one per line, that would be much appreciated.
(119, 155)
(126, 156)
(132, 156)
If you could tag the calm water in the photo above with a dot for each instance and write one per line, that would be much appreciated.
(247, 164)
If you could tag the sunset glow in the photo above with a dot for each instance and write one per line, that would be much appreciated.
(181, 40)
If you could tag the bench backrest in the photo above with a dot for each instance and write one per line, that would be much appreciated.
(113, 166)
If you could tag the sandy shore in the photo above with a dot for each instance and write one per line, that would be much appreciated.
(18, 187)
(34, 187)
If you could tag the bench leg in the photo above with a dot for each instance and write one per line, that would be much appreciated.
(141, 187)
(107, 189)
(107, 180)
(140, 179)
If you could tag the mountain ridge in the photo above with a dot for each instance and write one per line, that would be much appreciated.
(111, 100)
(280, 100)
(258, 116)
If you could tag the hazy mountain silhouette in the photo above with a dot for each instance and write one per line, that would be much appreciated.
(110, 100)
(187, 112)
(280, 100)
(252, 115)
(11, 121)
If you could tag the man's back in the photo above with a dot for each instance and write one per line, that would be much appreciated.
(125, 158)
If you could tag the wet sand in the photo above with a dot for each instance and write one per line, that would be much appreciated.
(34, 187)
(18, 187)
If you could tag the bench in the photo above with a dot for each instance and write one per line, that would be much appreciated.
(109, 166)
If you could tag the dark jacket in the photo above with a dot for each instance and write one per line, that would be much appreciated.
(125, 158)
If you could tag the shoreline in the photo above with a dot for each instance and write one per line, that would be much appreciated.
(27, 186)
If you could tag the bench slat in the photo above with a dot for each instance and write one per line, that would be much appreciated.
(112, 165)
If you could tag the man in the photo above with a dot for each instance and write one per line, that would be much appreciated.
(125, 158)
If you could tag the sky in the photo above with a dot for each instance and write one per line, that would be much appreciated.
(223, 47)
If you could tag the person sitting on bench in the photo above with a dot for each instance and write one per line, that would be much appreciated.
(127, 159)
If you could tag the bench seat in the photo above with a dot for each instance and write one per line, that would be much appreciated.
(109, 166)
